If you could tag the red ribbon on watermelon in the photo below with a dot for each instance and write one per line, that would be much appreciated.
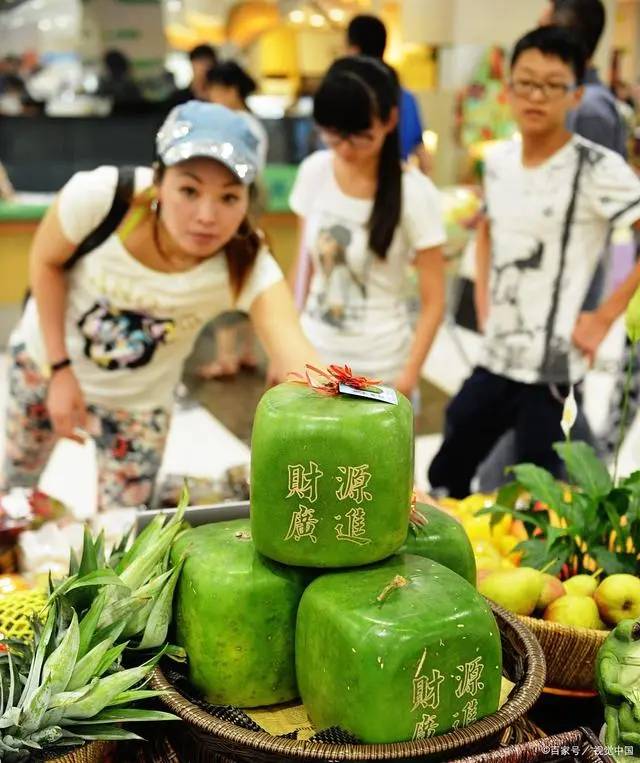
(328, 382)
(416, 517)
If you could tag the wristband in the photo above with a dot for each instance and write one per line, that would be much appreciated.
(59, 366)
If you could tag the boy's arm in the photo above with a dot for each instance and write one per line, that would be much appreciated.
(483, 269)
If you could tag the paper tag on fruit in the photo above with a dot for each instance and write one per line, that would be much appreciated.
(383, 394)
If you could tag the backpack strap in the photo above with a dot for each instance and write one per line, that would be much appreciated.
(119, 208)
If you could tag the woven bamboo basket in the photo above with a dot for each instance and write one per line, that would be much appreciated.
(570, 653)
(572, 747)
(204, 738)
(94, 752)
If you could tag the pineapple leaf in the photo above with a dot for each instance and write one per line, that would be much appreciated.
(99, 733)
(100, 551)
(74, 563)
(586, 470)
(135, 695)
(128, 715)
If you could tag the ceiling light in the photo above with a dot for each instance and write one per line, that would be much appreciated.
(316, 20)
(45, 25)
(336, 14)
(296, 17)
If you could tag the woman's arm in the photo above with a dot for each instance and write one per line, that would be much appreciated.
(430, 265)
(50, 249)
(299, 276)
(277, 323)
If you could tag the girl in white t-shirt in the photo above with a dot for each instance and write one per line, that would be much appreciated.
(364, 218)
(101, 347)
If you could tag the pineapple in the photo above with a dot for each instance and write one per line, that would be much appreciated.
(66, 685)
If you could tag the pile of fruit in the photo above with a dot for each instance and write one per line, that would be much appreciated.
(329, 593)
(580, 602)
(493, 547)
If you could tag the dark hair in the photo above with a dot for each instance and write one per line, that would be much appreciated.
(355, 90)
(117, 63)
(241, 252)
(555, 41)
(203, 51)
(586, 17)
(231, 74)
(368, 34)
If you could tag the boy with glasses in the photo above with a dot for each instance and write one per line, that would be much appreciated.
(550, 204)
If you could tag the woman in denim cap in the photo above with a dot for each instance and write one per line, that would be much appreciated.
(100, 348)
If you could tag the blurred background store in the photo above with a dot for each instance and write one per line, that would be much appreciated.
(63, 110)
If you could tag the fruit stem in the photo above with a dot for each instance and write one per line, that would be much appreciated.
(397, 582)
(549, 566)
(243, 535)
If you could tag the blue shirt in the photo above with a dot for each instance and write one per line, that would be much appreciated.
(411, 128)
(597, 118)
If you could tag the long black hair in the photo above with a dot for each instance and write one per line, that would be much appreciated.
(355, 91)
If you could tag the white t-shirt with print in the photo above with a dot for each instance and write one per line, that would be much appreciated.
(356, 312)
(543, 262)
(129, 328)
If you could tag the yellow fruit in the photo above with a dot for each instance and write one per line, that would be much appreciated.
(508, 564)
(487, 563)
(506, 544)
(476, 502)
(480, 527)
(16, 611)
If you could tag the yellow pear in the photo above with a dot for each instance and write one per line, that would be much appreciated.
(575, 611)
(517, 590)
(581, 585)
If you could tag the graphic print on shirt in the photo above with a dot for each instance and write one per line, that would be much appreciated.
(343, 293)
(122, 339)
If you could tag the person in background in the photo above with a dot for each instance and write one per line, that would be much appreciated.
(364, 217)
(550, 204)
(117, 82)
(99, 349)
(367, 36)
(597, 118)
(230, 86)
(7, 192)
(203, 58)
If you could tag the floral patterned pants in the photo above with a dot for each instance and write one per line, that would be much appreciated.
(129, 444)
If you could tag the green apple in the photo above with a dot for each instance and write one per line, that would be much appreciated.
(575, 611)
(618, 598)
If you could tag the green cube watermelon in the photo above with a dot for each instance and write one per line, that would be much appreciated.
(398, 651)
(235, 615)
(331, 477)
(443, 539)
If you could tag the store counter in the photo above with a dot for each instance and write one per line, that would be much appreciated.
(19, 220)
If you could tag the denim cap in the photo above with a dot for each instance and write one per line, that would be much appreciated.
(197, 129)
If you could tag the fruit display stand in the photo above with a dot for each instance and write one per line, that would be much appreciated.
(232, 733)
